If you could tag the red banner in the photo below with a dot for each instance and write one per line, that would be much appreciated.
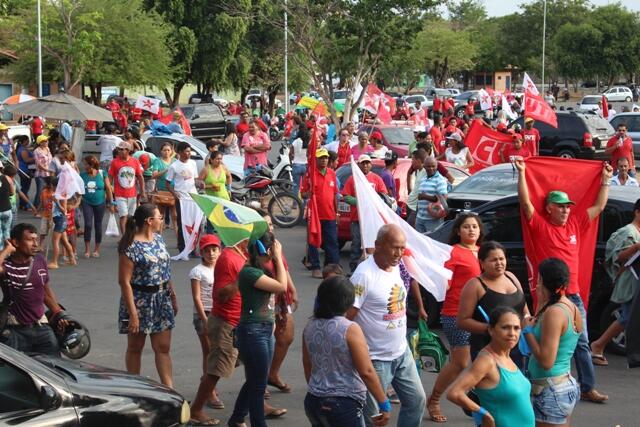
(485, 144)
(538, 109)
(580, 179)
(605, 107)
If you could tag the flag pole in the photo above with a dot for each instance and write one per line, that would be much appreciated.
(544, 37)
(39, 53)
(286, 59)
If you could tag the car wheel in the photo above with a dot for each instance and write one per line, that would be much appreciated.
(567, 153)
(618, 344)
(460, 113)
(627, 99)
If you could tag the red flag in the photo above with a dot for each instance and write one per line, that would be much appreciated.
(536, 108)
(580, 179)
(184, 123)
(314, 232)
(605, 107)
(485, 144)
(378, 103)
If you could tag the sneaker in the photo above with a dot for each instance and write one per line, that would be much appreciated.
(316, 274)
(593, 396)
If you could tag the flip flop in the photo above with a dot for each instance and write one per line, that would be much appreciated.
(209, 422)
(215, 404)
(284, 388)
(599, 360)
(275, 413)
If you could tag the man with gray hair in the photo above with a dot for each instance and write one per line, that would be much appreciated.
(380, 310)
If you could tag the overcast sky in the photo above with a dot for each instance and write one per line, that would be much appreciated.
(506, 7)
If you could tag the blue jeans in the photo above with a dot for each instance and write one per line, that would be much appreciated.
(39, 187)
(403, 375)
(5, 227)
(329, 244)
(25, 184)
(333, 411)
(255, 347)
(582, 355)
(297, 172)
(32, 339)
(427, 225)
(93, 214)
(356, 246)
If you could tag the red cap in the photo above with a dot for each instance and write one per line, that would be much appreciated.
(501, 126)
(208, 240)
(376, 135)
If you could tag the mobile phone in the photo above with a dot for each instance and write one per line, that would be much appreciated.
(377, 417)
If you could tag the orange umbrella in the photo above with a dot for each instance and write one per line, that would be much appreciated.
(17, 99)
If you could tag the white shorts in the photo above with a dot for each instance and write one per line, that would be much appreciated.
(126, 206)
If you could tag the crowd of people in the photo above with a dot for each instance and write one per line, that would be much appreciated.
(509, 366)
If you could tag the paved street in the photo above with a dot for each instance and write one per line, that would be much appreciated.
(90, 292)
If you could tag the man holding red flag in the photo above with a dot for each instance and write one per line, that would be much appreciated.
(560, 234)
(324, 187)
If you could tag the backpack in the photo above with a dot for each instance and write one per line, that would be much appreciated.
(431, 349)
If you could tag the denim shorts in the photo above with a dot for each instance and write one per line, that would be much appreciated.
(625, 313)
(457, 337)
(59, 223)
(555, 403)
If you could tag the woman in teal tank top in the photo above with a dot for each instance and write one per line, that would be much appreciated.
(502, 389)
(554, 391)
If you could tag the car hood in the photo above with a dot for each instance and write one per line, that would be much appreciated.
(475, 198)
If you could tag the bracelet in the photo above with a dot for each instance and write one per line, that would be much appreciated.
(479, 415)
(385, 406)
(527, 330)
(605, 185)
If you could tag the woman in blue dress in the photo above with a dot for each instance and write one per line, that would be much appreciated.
(148, 303)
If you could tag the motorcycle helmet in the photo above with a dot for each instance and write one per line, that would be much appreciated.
(75, 342)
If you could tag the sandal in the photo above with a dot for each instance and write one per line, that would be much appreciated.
(433, 407)
(215, 404)
(283, 387)
(95, 254)
(599, 360)
(275, 413)
(208, 422)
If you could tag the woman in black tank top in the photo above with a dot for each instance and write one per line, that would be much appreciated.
(495, 287)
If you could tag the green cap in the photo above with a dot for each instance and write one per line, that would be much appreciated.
(559, 197)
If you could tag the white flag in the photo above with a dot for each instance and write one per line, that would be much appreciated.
(424, 257)
(507, 109)
(191, 216)
(485, 100)
(148, 104)
(529, 85)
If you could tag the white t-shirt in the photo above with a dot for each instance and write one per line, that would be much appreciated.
(333, 146)
(205, 275)
(630, 182)
(107, 144)
(380, 152)
(459, 159)
(183, 176)
(299, 153)
(381, 299)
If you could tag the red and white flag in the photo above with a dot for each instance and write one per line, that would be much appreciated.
(506, 107)
(529, 85)
(378, 103)
(485, 100)
(424, 257)
(151, 105)
(485, 144)
(538, 109)
(192, 217)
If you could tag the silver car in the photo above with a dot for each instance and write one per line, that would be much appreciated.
(632, 120)
(589, 103)
(619, 93)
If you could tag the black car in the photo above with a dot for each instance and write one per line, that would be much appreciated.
(51, 391)
(568, 140)
(501, 219)
(206, 120)
(463, 99)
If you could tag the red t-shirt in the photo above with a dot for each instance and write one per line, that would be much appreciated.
(561, 242)
(510, 150)
(531, 139)
(437, 105)
(344, 153)
(448, 105)
(123, 174)
(226, 272)
(436, 135)
(465, 266)
(36, 126)
(469, 109)
(325, 190)
(350, 190)
(91, 125)
(625, 151)
(242, 128)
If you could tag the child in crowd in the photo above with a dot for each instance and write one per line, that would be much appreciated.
(46, 209)
(201, 289)
(71, 231)
(59, 215)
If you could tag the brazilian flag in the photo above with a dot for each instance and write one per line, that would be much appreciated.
(233, 222)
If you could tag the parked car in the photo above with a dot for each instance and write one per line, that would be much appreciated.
(425, 100)
(396, 138)
(568, 139)
(589, 103)
(400, 176)
(632, 120)
(437, 91)
(619, 93)
(454, 91)
(461, 102)
(153, 144)
(501, 219)
(51, 391)
(206, 120)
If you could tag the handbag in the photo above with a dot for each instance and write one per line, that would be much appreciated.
(430, 347)
(112, 227)
(163, 198)
(438, 209)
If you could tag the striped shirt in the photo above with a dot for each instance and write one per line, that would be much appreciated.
(431, 185)
(26, 294)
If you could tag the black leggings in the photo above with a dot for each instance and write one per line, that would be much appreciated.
(93, 214)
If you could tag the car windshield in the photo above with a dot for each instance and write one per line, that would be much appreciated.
(465, 95)
(187, 110)
(413, 99)
(344, 172)
(591, 100)
(208, 111)
(501, 183)
(398, 136)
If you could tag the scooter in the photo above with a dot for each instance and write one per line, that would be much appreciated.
(281, 169)
(275, 130)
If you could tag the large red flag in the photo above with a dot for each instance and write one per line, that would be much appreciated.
(537, 108)
(580, 179)
(485, 145)
(605, 107)
(184, 123)
(314, 237)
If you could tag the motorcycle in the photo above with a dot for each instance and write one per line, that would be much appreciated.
(284, 207)
(281, 169)
(276, 131)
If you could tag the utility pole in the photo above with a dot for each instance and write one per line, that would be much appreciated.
(286, 59)
(39, 53)
(544, 38)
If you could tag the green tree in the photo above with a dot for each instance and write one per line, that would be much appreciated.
(577, 51)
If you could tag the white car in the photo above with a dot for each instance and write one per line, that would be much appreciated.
(589, 103)
(619, 93)
(454, 92)
(424, 101)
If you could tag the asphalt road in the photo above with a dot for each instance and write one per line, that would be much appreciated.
(90, 292)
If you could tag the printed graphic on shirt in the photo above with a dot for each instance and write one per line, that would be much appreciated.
(91, 187)
(126, 177)
(396, 310)
(359, 290)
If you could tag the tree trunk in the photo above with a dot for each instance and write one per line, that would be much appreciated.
(168, 96)
(92, 93)
(272, 100)
(121, 92)
(177, 89)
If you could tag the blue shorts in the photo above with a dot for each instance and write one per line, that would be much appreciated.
(555, 403)
(625, 313)
(457, 337)
(59, 224)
